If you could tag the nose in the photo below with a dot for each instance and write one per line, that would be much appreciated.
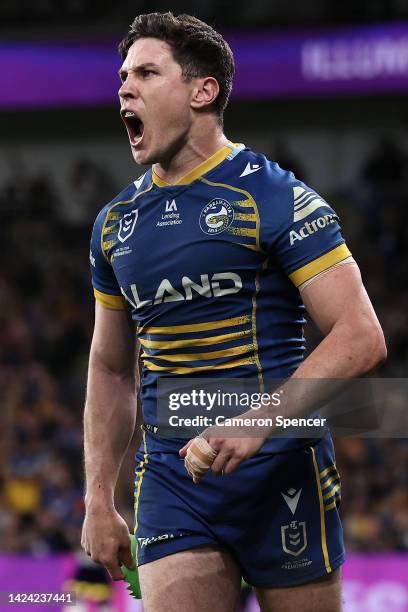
(128, 90)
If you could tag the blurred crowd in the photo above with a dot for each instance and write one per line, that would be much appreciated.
(46, 320)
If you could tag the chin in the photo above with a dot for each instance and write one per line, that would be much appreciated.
(143, 158)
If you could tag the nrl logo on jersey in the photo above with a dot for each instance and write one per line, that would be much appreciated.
(127, 225)
(294, 538)
(216, 216)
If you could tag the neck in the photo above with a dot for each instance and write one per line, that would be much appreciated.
(204, 139)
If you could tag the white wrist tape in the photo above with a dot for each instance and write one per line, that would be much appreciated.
(199, 458)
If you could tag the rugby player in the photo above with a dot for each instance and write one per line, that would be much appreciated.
(207, 262)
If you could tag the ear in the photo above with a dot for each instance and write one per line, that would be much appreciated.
(205, 90)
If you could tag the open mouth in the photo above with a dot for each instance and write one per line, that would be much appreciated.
(134, 126)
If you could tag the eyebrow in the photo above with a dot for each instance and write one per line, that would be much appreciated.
(122, 70)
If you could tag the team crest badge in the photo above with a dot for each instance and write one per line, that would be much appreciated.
(294, 538)
(127, 225)
(216, 216)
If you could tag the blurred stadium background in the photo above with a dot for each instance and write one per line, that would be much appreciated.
(322, 89)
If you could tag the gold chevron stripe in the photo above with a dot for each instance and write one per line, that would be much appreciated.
(333, 504)
(249, 202)
(242, 231)
(235, 350)
(327, 470)
(186, 370)
(107, 245)
(244, 203)
(208, 340)
(244, 217)
(196, 327)
(330, 480)
(113, 215)
(332, 492)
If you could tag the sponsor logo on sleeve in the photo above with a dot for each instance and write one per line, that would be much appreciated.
(311, 228)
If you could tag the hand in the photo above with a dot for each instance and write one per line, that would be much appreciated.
(105, 538)
(230, 451)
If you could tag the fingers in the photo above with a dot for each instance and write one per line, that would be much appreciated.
(199, 458)
(183, 451)
(230, 455)
(126, 558)
(111, 560)
(113, 568)
(84, 543)
(231, 465)
(112, 563)
(219, 462)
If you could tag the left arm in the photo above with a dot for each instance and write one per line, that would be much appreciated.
(353, 345)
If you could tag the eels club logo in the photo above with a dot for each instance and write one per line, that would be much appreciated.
(216, 216)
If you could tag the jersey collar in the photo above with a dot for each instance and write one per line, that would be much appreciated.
(199, 170)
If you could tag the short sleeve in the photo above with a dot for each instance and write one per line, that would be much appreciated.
(307, 238)
(106, 289)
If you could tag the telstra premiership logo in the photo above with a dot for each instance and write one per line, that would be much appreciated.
(127, 225)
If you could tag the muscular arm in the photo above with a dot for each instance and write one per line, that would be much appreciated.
(109, 422)
(354, 344)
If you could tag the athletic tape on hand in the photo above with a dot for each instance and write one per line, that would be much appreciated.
(199, 458)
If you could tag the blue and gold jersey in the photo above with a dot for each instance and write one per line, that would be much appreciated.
(210, 267)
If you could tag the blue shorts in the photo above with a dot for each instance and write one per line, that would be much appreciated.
(277, 514)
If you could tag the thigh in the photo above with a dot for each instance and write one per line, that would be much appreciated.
(323, 595)
(204, 579)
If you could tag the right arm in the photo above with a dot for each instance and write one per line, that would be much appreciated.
(109, 423)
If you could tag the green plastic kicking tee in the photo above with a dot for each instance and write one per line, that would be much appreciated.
(132, 576)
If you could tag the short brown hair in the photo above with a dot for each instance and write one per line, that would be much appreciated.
(196, 46)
